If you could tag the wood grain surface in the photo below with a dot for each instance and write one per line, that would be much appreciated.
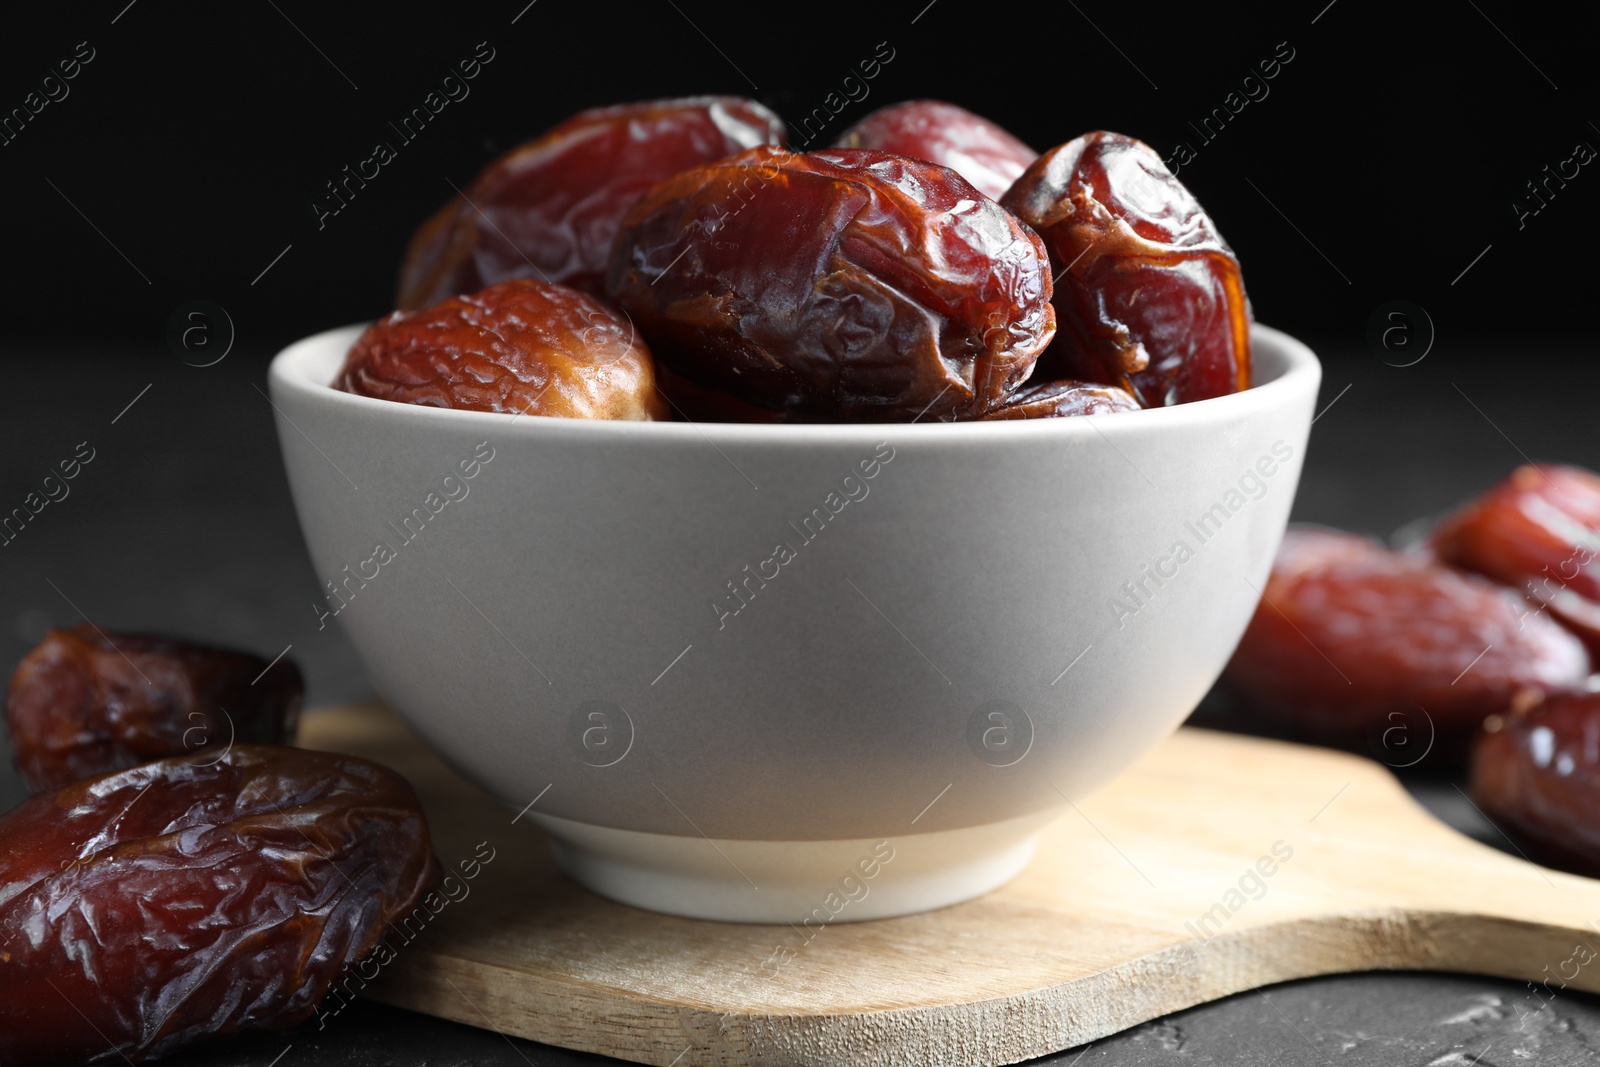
(1218, 863)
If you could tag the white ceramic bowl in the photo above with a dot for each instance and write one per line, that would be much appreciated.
(761, 673)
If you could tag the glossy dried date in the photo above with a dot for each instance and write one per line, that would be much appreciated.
(1539, 532)
(843, 285)
(84, 702)
(518, 346)
(1054, 400)
(1149, 296)
(1349, 632)
(148, 908)
(1536, 773)
(550, 208)
(972, 146)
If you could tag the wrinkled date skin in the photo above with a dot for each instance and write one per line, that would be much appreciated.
(1536, 773)
(518, 346)
(84, 702)
(1539, 532)
(550, 208)
(1054, 400)
(844, 285)
(1150, 296)
(972, 146)
(148, 908)
(1348, 632)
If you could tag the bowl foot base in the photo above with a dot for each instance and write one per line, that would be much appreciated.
(807, 884)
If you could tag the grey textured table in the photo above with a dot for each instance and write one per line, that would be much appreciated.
(182, 523)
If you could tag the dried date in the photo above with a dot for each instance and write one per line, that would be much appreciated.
(1536, 773)
(1349, 632)
(83, 702)
(521, 346)
(1149, 296)
(148, 908)
(842, 285)
(972, 146)
(1539, 532)
(1054, 400)
(550, 208)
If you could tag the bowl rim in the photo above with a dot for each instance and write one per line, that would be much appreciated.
(1289, 364)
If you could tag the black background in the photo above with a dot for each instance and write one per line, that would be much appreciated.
(1381, 166)
(1385, 158)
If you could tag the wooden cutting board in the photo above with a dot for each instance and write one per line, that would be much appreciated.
(1216, 864)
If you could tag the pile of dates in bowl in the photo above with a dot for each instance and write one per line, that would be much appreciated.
(1475, 644)
(182, 873)
(673, 259)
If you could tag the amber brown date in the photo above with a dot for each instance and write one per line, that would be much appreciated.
(1149, 296)
(1536, 774)
(550, 208)
(972, 146)
(1539, 532)
(1348, 632)
(83, 702)
(843, 285)
(519, 346)
(148, 908)
(1052, 400)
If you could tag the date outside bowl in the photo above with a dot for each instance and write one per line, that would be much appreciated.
(761, 673)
